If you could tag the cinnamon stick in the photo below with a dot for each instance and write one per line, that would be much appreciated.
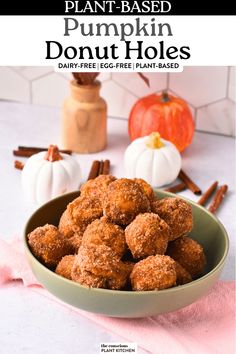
(177, 188)
(100, 172)
(106, 167)
(24, 151)
(189, 183)
(94, 171)
(33, 148)
(19, 165)
(220, 194)
(205, 197)
(40, 149)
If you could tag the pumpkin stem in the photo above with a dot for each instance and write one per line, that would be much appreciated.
(53, 154)
(165, 97)
(154, 141)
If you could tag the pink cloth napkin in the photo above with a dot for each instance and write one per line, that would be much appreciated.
(205, 327)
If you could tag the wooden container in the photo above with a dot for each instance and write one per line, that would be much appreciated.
(84, 119)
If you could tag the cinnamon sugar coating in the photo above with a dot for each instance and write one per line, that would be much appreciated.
(66, 225)
(77, 216)
(64, 266)
(72, 232)
(104, 268)
(86, 278)
(189, 254)
(183, 276)
(97, 187)
(75, 242)
(123, 201)
(153, 273)
(103, 232)
(48, 245)
(146, 188)
(130, 266)
(147, 235)
(177, 213)
(83, 210)
(124, 238)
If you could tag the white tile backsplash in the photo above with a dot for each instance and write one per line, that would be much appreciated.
(217, 117)
(200, 85)
(133, 83)
(104, 77)
(32, 72)
(13, 86)
(232, 83)
(209, 91)
(50, 90)
(119, 101)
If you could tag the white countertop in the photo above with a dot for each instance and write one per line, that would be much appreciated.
(32, 324)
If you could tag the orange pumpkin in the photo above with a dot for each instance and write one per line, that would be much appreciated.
(166, 114)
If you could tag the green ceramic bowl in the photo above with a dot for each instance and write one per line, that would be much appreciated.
(207, 230)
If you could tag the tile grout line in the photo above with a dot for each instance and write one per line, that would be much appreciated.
(177, 95)
(108, 79)
(227, 83)
(26, 78)
(197, 130)
(122, 119)
(205, 105)
(17, 72)
(124, 88)
(190, 104)
(217, 134)
(61, 75)
(42, 76)
(210, 103)
(230, 99)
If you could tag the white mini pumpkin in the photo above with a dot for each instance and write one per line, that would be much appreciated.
(155, 160)
(48, 175)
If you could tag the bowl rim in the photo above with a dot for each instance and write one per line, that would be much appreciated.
(131, 292)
